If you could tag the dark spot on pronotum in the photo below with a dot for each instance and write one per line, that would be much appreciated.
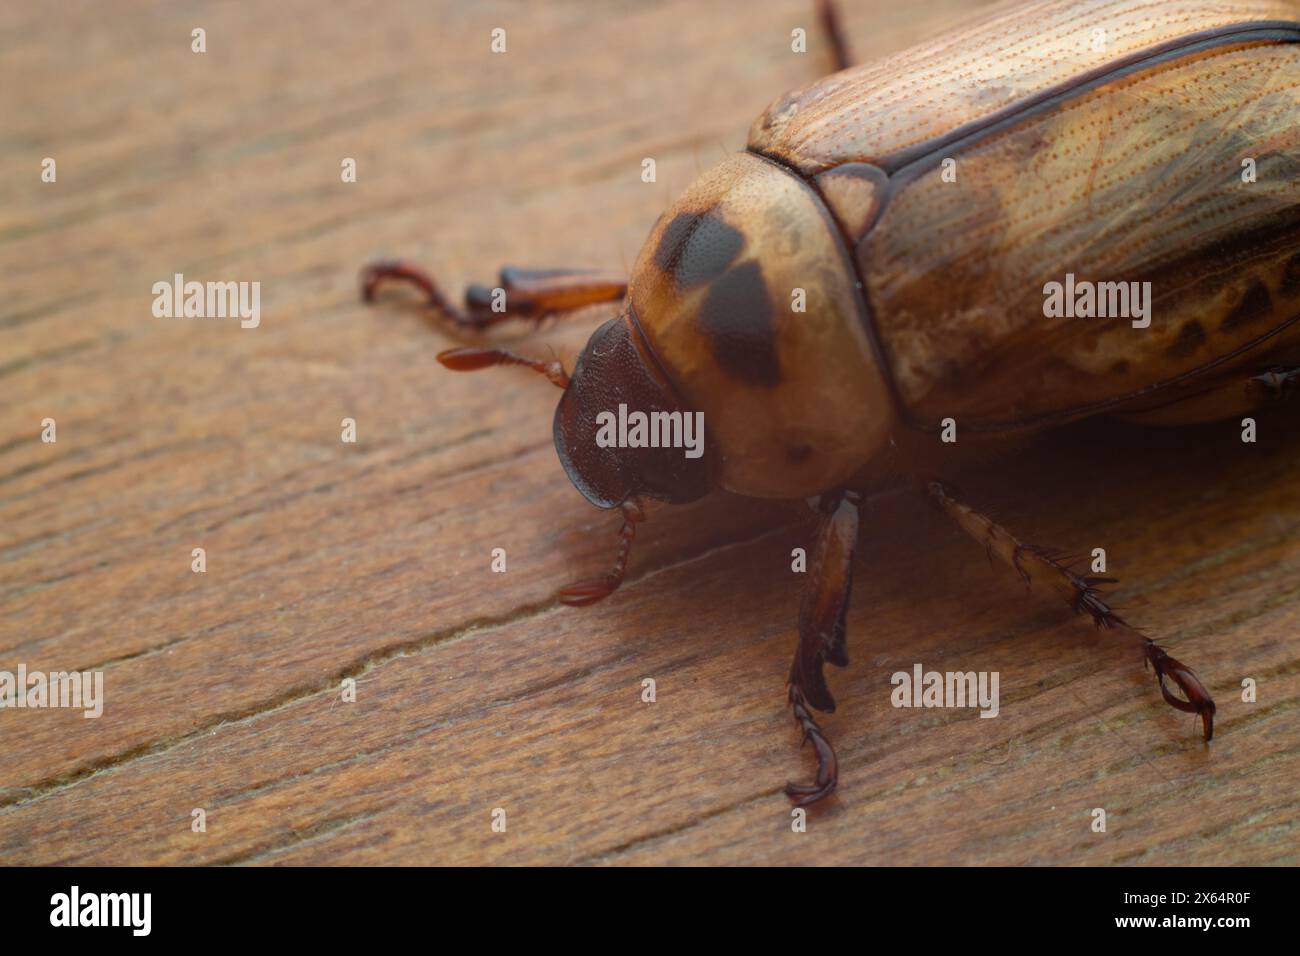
(736, 319)
(798, 454)
(1191, 338)
(696, 247)
(1291, 276)
(1254, 305)
(1121, 367)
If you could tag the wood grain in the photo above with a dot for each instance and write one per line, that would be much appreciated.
(371, 560)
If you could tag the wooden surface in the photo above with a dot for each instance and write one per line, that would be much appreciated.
(371, 560)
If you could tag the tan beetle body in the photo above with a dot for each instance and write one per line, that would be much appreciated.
(889, 254)
(1103, 139)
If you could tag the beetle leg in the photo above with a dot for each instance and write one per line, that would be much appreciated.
(828, 768)
(829, 14)
(536, 293)
(822, 613)
(1036, 565)
(590, 591)
(521, 294)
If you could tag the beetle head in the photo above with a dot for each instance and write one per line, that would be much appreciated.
(617, 379)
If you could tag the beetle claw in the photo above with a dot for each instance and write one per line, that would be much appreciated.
(808, 794)
(582, 593)
(1198, 699)
(827, 764)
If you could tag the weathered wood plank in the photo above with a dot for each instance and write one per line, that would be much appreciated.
(372, 560)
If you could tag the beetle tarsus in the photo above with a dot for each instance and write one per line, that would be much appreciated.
(582, 593)
(827, 764)
(399, 270)
(1198, 700)
(822, 634)
(1037, 564)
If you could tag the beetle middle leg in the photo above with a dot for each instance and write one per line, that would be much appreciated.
(1037, 567)
(532, 294)
(822, 614)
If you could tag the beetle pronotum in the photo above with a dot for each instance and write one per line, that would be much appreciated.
(927, 204)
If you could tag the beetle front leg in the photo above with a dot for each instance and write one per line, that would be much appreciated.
(532, 294)
(822, 615)
(1036, 566)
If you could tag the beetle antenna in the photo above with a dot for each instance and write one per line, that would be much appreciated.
(591, 591)
(473, 359)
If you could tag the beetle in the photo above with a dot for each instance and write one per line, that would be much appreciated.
(929, 207)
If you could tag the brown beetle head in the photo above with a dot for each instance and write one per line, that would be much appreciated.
(743, 311)
(616, 385)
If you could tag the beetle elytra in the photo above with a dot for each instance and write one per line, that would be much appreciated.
(1071, 208)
